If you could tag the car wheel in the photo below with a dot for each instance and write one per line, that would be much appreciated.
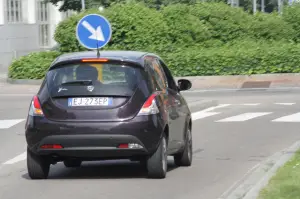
(38, 167)
(185, 157)
(157, 164)
(72, 163)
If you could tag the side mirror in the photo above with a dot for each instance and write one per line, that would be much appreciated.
(184, 84)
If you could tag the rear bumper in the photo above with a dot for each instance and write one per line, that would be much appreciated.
(91, 146)
(94, 140)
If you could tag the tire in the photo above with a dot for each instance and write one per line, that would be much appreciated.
(38, 167)
(185, 157)
(72, 163)
(157, 164)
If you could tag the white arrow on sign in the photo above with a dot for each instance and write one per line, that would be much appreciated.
(97, 34)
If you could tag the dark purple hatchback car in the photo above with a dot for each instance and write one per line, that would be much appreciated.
(123, 105)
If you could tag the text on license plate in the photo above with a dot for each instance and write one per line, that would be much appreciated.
(90, 101)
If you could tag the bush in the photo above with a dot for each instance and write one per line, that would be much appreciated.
(199, 39)
(224, 22)
(185, 29)
(32, 66)
(65, 33)
(291, 14)
(242, 58)
(137, 27)
(134, 26)
(271, 27)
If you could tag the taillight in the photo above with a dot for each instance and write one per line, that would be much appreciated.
(35, 107)
(52, 146)
(150, 106)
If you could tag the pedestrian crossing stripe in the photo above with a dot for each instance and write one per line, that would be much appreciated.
(5, 124)
(244, 117)
(289, 118)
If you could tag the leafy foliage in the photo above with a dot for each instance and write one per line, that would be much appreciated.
(76, 4)
(134, 26)
(291, 15)
(184, 28)
(224, 22)
(200, 39)
(32, 66)
(242, 58)
(271, 26)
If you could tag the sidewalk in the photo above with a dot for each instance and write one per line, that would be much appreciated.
(3, 77)
(238, 82)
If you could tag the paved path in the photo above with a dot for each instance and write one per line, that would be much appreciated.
(229, 140)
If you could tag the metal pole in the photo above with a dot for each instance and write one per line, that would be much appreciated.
(279, 6)
(83, 4)
(263, 5)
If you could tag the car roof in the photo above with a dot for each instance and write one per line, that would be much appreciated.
(133, 56)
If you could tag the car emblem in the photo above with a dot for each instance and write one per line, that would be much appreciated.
(90, 88)
(61, 89)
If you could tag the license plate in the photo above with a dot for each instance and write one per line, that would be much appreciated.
(90, 101)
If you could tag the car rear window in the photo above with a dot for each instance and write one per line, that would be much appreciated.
(94, 80)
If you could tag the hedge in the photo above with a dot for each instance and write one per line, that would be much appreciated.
(199, 39)
(137, 27)
(242, 58)
(134, 27)
(32, 66)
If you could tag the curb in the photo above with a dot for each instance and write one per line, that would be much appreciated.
(24, 81)
(258, 177)
(195, 93)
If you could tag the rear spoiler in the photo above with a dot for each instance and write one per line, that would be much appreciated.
(60, 64)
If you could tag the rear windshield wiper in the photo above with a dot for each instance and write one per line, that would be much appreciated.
(78, 82)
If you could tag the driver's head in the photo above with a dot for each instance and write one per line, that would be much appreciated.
(86, 73)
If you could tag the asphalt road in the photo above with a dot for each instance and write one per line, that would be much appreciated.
(229, 140)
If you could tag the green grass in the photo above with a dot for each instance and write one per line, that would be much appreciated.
(286, 183)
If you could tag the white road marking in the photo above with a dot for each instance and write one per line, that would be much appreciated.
(287, 104)
(201, 115)
(205, 113)
(16, 159)
(5, 124)
(214, 107)
(253, 104)
(244, 117)
(289, 118)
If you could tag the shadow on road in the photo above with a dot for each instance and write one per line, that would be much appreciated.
(101, 170)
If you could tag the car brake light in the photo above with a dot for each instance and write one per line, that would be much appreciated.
(150, 106)
(35, 108)
(51, 146)
(123, 146)
(95, 60)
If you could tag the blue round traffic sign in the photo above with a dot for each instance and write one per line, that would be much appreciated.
(93, 31)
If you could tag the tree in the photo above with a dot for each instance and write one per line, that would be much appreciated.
(76, 4)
